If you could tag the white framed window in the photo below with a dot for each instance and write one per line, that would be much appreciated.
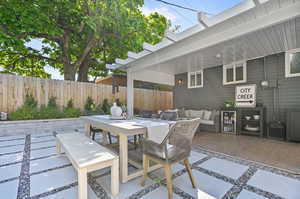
(235, 73)
(292, 63)
(195, 79)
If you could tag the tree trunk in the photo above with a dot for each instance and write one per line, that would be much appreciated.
(69, 69)
(69, 72)
(83, 70)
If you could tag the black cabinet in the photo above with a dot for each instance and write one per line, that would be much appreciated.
(251, 121)
(293, 125)
(246, 121)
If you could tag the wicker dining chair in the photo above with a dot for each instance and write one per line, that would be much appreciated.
(176, 147)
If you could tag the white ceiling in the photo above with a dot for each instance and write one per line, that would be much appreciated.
(253, 28)
(267, 41)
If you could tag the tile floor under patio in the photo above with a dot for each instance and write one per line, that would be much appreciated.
(284, 155)
(29, 168)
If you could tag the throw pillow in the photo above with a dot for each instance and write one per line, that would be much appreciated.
(196, 114)
(181, 113)
(207, 115)
(187, 113)
(169, 115)
(213, 115)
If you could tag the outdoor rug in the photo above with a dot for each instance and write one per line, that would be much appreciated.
(30, 169)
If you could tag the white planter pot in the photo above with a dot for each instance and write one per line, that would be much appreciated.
(116, 111)
(3, 116)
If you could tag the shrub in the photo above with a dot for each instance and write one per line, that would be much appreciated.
(89, 104)
(48, 112)
(52, 102)
(51, 110)
(28, 111)
(24, 113)
(70, 110)
(30, 101)
(106, 106)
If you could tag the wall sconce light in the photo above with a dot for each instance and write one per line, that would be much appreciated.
(180, 81)
(264, 83)
(218, 55)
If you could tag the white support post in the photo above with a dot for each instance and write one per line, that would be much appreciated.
(130, 93)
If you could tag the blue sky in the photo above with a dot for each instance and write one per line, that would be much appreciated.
(187, 18)
(178, 16)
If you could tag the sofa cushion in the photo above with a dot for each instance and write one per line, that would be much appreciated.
(187, 113)
(207, 122)
(206, 115)
(196, 114)
(213, 115)
(181, 113)
(169, 115)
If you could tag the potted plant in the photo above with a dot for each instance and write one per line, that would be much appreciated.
(229, 103)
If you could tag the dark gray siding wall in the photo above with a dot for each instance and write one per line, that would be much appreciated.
(213, 94)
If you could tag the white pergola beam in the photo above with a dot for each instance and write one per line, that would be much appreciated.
(200, 41)
(112, 66)
(149, 47)
(171, 36)
(227, 14)
(123, 61)
(165, 42)
(256, 2)
(202, 18)
(133, 55)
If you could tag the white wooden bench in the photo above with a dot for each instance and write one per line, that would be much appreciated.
(86, 156)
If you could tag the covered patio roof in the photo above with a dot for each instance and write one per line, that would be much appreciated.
(252, 29)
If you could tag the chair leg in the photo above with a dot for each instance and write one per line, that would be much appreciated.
(168, 171)
(145, 170)
(109, 138)
(135, 141)
(93, 135)
(189, 170)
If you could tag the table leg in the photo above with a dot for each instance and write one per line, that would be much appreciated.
(105, 137)
(87, 129)
(82, 184)
(115, 177)
(58, 147)
(123, 153)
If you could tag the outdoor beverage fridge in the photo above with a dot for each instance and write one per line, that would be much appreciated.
(228, 122)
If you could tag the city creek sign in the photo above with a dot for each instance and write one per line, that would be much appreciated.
(245, 96)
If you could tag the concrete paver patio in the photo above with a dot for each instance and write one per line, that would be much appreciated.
(29, 168)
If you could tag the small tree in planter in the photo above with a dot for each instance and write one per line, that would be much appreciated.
(70, 110)
(90, 108)
(106, 106)
(89, 104)
(51, 111)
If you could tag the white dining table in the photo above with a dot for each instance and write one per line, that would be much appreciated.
(123, 129)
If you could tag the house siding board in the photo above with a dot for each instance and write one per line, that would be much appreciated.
(214, 93)
(297, 28)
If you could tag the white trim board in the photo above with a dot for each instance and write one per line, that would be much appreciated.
(287, 63)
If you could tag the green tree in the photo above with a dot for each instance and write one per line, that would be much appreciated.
(78, 36)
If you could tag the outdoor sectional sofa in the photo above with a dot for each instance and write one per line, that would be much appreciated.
(210, 118)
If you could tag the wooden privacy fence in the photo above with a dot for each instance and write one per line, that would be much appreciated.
(13, 90)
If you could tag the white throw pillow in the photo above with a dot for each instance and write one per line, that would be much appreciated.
(206, 115)
(196, 114)
(188, 113)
